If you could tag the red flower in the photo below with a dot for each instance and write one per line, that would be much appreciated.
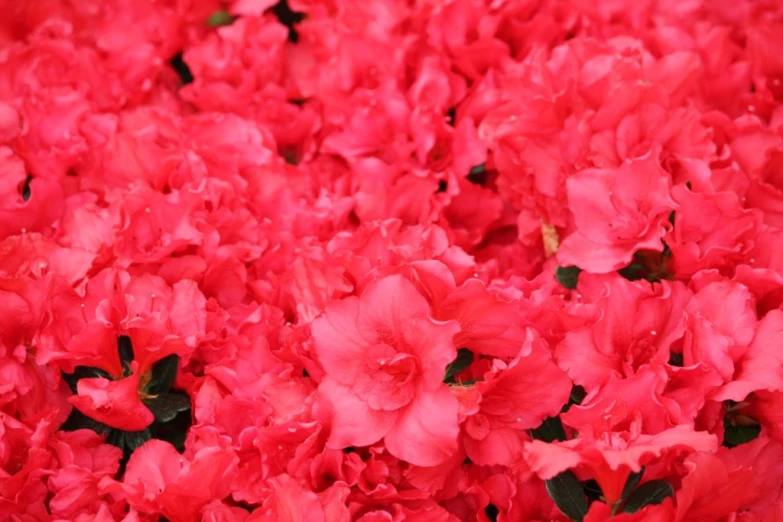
(385, 358)
(617, 213)
(514, 397)
(611, 457)
(114, 403)
(710, 231)
(637, 325)
(761, 365)
(160, 480)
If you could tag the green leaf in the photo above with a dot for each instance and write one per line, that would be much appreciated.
(174, 431)
(477, 170)
(26, 193)
(81, 372)
(163, 374)
(649, 493)
(592, 491)
(675, 359)
(549, 431)
(633, 272)
(220, 18)
(79, 421)
(116, 438)
(184, 72)
(736, 435)
(567, 493)
(166, 405)
(631, 483)
(478, 175)
(134, 439)
(463, 360)
(469, 382)
(125, 348)
(576, 397)
(568, 276)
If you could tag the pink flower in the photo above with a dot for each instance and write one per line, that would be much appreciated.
(721, 324)
(710, 231)
(160, 480)
(611, 459)
(114, 403)
(385, 358)
(514, 397)
(83, 460)
(617, 213)
(637, 325)
(489, 325)
(26, 204)
(290, 502)
(760, 365)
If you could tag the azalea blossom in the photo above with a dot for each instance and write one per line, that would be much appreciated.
(385, 261)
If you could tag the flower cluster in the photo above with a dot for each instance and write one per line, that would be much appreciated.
(388, 260)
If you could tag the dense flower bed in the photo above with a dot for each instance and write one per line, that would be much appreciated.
(388, 260)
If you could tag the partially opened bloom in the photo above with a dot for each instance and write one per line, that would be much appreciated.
(114, 403)
(514, 397)
(385, 358)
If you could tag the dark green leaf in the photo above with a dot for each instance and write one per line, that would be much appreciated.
(736, 435)
(568, 276)
(666, 253)
(632, 482)
(477, 169)
(463, 360)
(672, 214)
(649, 493)
(174, 431)
(578, 394)
(81, 372)
(78, 421)
(166, 405)
(125, 348)
(592, 491)
(179, 65)
(134, 439)
(478, 175)
(116, 438)
(163, 374)
(549, 431)
(469, 382)
(675, 359)
(633, 272)
(568, 495)
(451, 116)
(288, 18)
(220, 18)
(26, 193)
